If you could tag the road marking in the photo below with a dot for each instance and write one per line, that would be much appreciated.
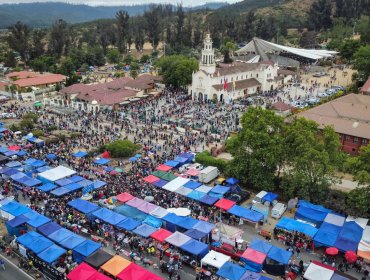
(16, 267)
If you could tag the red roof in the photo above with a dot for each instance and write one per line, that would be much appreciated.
(161, 235)
(366, 87)
(136, 272)
(107, 98)
(124, 197)
(151, 179)
(280, 106)
(40, 80)
(254, 256)
(225, 204)
(82, 272)
(164, 168)
(23, 74)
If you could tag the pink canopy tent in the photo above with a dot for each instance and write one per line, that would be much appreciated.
(164, 167)
(135, 202)
(147, 207)
(192, 172)
(82, 272)
(225, 204)
(254, 256)
(151, 179)
(14, 148)
(124, 197)
(136, 272)
(161, 235)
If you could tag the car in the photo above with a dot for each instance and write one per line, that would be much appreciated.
(299, 104)
(228, 250)
(239, 197)
(259, 196)
(278, 210)
(322, 94)
(313, 101)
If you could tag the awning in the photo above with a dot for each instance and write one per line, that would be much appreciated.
(215, 259)
(115, 265)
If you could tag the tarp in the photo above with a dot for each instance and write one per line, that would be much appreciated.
(160, 183)
(209, 200)
(192, 185)
(136, 272)
(38, 221)
(60, 191)
(85, 183)
(124, 197)
(98, 258)
(82, 272)
(40, 244)
(349, 237)
(15, 209)
(187, 155)
(102, 161)
(22, 153)
(75, 178)
(172, 163)
(173, 218)
(245, 213)
(362, 222)
(63, 182)
(225, 204)
(195, 248)
(175, 184)
(128, 224)
(177, 239)
(218, 189)
(38, 163)
(115, 265)
(254, 256)
(28, 238)
(135, 202)
(152, 221)
(87, 248)
(231, 271)
(183, 191)
(79, 154)
(17, 221)
(130, 212)
(144, 230)
(98, 184)
(204, 189)
(73, 187)
(83, 206)
(279, 255)
(204, 226)
(260, 246)
(232, 181)
(187, 222)
(60, 235)
(151, 179)
(29, 161)
(103, 214)
(159, 212)
(311, 213)
(293, 225)
(49, 228)
(270, 197)
(326, 235)
(215, 259)
(196, 195)
(181, 160)
(163, 167)
(56, 173)
(51, 254)
(195, 234)
(51, 156)
(318, 271)
(43, 168)
(168, 176)
(47, 187)
(72, 241)
(161, 234)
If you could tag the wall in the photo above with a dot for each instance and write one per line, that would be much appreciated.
(349, 144)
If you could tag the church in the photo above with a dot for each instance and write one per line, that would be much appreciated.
(227, 82)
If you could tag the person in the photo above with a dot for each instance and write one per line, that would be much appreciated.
(2, 264)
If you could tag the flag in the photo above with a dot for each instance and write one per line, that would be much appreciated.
(225, 84)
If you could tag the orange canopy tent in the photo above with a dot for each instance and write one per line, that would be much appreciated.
(124, 197)
(115, 265)
(82, 272)
(136, 272)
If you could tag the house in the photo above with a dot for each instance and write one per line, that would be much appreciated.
(281, 108)
(349, 115)
(366, 87)
(231, 81)
(25, 80)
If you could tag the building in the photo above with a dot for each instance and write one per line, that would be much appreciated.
(111, 95)
(349, 115)
(25, 80)
(281, 109)
(366, 87)
(227, 82)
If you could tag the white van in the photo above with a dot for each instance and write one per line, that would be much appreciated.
(259, 196)
(278, 210)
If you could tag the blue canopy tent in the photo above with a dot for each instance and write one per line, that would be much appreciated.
(47, 187)
(102, 161)
(232, 181)
(160, 183)
(196, 248)
(172, 163)
(12, 164)
(187, 222)
(51, 254)
(15, 209)
(172, 220)
(314, 214)
(63, 182)
(85, 183)
(246, 214)
(115, 218)
(21, 153)
(108, 168)
(349, 237)
(260, 246)
(98, 184)
(31, 182)
(209, 200)
(144, 230)
(79, 154)
(83, 206)
(153, 221)
(231, 271)
(29, 161)
(28, 238)
(219, 190)
(3, 169)
(38, 163)
(72, 241)
(51, 156)
(128, 224)
(75, 178)
(40, 244)
(84, 250)
(38, 221)
(60, 235)
(293, 225)
(192, 185)
(279, 255)
(196, 195)
(3, 149)
(103, 214)
(73, 187)
(326, 235)
(131, 212)
(15, 225)
(43, 168)
(10, 153)
(204, 226)
(270, 197)
(181, 160)
(11, 172)
(60, 191)
(189, 156)
(132, 159)
(49, 228)
(196, 234)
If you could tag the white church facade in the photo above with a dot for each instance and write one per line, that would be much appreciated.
(231, 81)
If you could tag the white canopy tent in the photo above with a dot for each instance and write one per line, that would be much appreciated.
(364, 245)
(215, 259)
(317, 271)
(175, 184)
(56, 173)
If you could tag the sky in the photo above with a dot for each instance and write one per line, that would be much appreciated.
(120, 2)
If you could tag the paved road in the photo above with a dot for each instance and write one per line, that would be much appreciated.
(12, 272)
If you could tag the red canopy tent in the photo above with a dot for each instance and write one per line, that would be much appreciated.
(124, 197)
(151, 179)
(106, 154)
(14, 148)
(161, 234)
(100, 276)
(225, 204)
(82, 272)
(136, 272)
(164, 168)
(350, 256)
(254, 256)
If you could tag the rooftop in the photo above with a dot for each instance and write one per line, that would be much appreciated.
(349, 114)
(237, 67)
(108, 98)
(366, 87)
(280, 106)
(243, 84)
(40, 80)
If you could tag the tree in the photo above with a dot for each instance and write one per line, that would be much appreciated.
(348, 48)
(58, 38)
(38, 44)
(133, 73)
(122, 148)
(114, 56)
(258, 149)
(44, 63)
(153, 25)
(18, 39)
(229, 47)
(177, 69)
(122, 19)
(319, 16)
(10, 60)
(361, 62)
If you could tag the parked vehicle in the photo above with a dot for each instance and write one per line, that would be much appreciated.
(208, 174)
(278, 210)
(228, 250)
(259, 196)
(313, 101)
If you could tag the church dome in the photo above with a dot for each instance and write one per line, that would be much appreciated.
(94, 102)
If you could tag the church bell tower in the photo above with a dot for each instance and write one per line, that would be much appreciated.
(208, 63)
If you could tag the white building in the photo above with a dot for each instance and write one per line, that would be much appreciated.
(231, 81)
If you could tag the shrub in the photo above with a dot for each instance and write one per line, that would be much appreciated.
(31, 116)
(205, 158)
(122, 148)
(37, 133)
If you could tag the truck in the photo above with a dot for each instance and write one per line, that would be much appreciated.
(208, 174)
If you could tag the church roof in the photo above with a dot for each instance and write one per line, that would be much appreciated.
(243, 84)
(237, 67)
